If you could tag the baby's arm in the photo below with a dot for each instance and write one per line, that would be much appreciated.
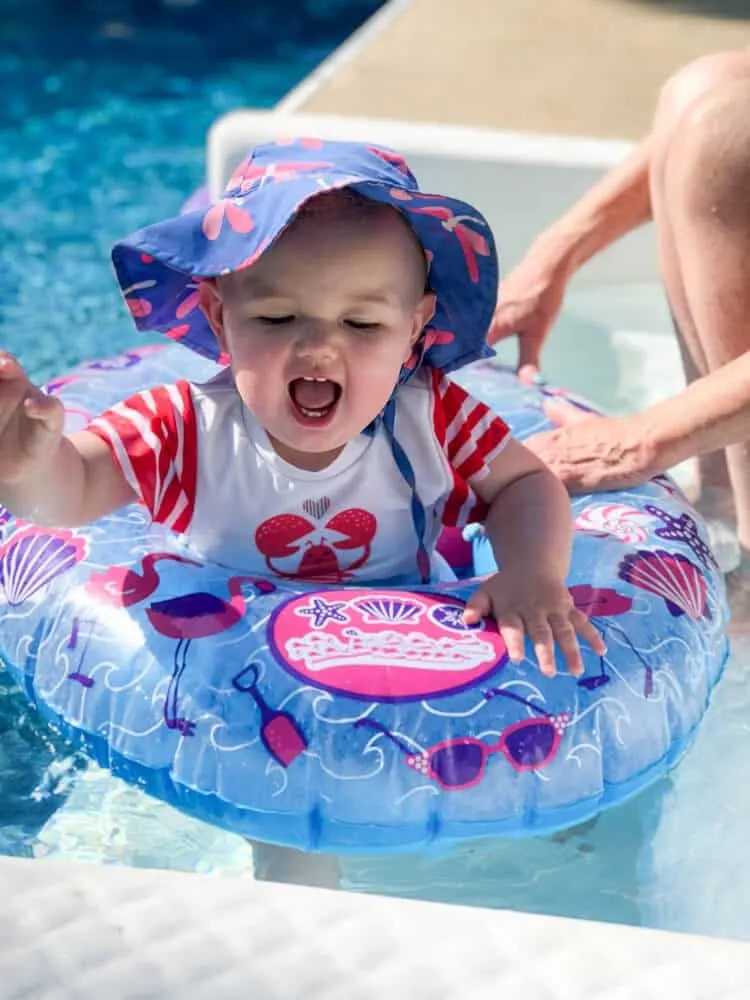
(528, 520)
(45, 476)
(530, 528)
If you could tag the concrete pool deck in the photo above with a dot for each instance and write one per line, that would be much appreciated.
(574, 67)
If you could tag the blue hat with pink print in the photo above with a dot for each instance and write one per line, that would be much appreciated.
(159, 267)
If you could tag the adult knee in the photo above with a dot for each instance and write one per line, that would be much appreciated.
(694, 82)
(708, 163)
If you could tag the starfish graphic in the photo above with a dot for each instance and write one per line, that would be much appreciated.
(450, 616)
(323, 612)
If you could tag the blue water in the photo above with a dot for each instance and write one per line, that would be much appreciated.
(104, 107)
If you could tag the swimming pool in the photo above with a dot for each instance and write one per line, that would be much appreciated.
(105, 106)
(664, 860)
(104, 111)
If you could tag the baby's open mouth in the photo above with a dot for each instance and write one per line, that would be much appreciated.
(314, 397)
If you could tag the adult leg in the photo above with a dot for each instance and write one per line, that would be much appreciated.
(707, 196)
(698, 157)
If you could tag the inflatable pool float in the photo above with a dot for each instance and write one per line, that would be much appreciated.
(356, 718)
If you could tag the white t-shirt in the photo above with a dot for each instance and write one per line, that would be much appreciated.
(204, 466)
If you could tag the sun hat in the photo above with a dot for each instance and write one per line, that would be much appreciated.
(158, 267)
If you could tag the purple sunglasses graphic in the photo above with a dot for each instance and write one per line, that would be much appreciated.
(461, 762)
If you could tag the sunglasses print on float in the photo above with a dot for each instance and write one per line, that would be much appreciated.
(460, 763)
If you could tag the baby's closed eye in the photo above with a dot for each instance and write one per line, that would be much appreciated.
(277, 320)
(361, 324)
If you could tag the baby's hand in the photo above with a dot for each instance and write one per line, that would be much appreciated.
(31, 424)
(540, 607)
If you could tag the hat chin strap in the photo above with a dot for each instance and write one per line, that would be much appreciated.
(388, 419)
(418, 514)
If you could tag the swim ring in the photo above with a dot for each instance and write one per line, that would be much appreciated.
(355, 718)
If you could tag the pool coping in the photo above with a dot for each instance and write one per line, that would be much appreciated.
(80, 931)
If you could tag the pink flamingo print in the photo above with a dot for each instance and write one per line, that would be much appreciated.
(195, 615)
(472, 244)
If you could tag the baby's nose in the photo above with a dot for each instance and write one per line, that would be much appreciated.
(317, 341)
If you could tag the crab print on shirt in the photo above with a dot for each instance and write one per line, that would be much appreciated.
(317, 545)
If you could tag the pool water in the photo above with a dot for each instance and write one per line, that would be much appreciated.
(104, 113)
(105, 106)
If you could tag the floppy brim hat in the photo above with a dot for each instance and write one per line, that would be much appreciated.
(159, 267)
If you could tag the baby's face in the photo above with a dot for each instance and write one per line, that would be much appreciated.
(318, 329)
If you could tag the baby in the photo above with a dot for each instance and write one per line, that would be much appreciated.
(333, 446)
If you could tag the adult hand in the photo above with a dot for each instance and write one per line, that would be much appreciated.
(591, 454)
(529, 302)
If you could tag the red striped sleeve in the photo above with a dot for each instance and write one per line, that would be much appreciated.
(472, 437)
(154, 442)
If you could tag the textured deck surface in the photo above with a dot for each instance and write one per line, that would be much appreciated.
(78, 932)
(581, 67)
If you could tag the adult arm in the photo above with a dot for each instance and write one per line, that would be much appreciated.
(532, 295)
(606, 453)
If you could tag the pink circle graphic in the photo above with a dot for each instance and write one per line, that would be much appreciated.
(389, 645)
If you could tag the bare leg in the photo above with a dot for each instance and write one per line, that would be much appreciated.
(701, 161)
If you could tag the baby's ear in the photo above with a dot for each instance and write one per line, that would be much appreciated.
(212, 304)
(423, 313)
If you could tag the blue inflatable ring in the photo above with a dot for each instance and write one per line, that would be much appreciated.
(359, 719)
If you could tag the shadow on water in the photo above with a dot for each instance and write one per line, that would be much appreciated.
(733, 10)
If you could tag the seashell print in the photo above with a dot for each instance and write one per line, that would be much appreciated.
(628, 524)
(672, 577)
(31, 558)
(388, 610)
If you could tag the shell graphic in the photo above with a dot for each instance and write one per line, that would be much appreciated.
(30, 559)
(387, 610)
(671, 576)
